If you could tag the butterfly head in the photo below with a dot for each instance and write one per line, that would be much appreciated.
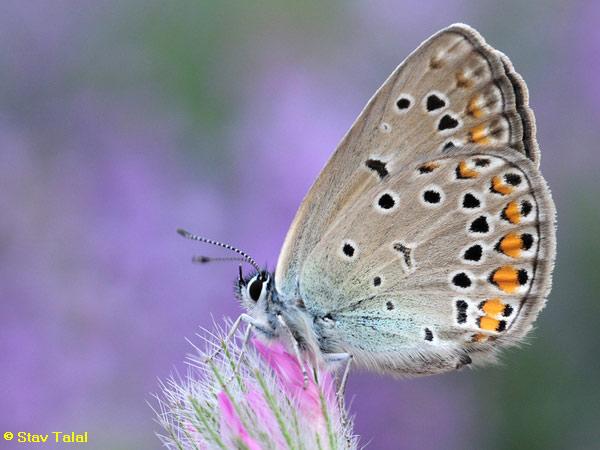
(255, 291)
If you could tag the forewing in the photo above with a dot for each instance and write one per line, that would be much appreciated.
(453, 90)
(445, 257)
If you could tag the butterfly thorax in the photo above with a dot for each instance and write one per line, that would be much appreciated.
(259, 296)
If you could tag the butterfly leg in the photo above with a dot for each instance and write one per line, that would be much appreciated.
(236, 324)
(245, 340)
(296, 348)
(346, 359)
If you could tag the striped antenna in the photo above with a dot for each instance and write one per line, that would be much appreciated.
(243, 254)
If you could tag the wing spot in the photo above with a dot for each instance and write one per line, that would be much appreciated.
(470, 201)
(448, 145)
(463, 172)
(513, 179)
(386, 201)
(428, 167)
(473, 253)
(431, 196)
(512, 213)
(404, 103)
(491, 324)
(508, 278)
(462, 81)
(497, 186)
(405, 252)
(492, 307)
(434, 102)
(461, 280)
(349, 249)
(512, 244)
(377, 281)
(527, 240)
(480, 225)
(526, 208)
(473, 108)
(480, 337)
(428, 335)
(436, 62)
(447, 122)
(479, 135)
(377, 166)
(389, 306)
(385, 127)
(481, 162)
(461, 311)
(523, 277)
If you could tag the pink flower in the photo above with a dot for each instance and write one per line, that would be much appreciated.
(291, 378)
(231, 425)
(252, 399)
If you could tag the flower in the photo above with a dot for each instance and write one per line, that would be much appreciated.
(252, 398)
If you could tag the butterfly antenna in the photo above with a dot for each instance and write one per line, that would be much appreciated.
(202, 259)
(246, 257)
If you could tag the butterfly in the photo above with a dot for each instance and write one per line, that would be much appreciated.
(427, 243)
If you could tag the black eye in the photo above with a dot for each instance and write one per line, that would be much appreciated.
(255, 289)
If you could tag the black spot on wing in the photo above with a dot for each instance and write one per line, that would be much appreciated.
(434, 102)
(403, 103)
(448, 145)
(513, 179)
(405, 251)
(461, 280)
(431, 196)
(470, 201)
(480, 225)
(377, 166)
(481, 162)
(447, 122)
(526, 208)
(473, 253)
(527, 240)
(522, 276)
(461, 311)
(428, 335)
(386, 201)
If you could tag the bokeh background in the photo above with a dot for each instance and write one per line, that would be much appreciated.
(123, 120)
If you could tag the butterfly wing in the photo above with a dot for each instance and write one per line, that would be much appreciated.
(383, 243)
(460, 262)
(454, 89)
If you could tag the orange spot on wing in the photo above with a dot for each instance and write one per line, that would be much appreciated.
(506, 278)
(428, 167)
(435, 62)
(513, 212)
(479, 135)
(474, 108)
(465, 172)
(499, 186)
(462, 81)
(487, 323)
(493, 307)
(479, 337)
(511, 245)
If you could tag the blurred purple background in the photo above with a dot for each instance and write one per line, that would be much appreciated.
(121, 121)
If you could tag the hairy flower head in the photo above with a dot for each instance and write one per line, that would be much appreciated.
(251, 399)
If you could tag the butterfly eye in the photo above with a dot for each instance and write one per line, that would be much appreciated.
(255, 288)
